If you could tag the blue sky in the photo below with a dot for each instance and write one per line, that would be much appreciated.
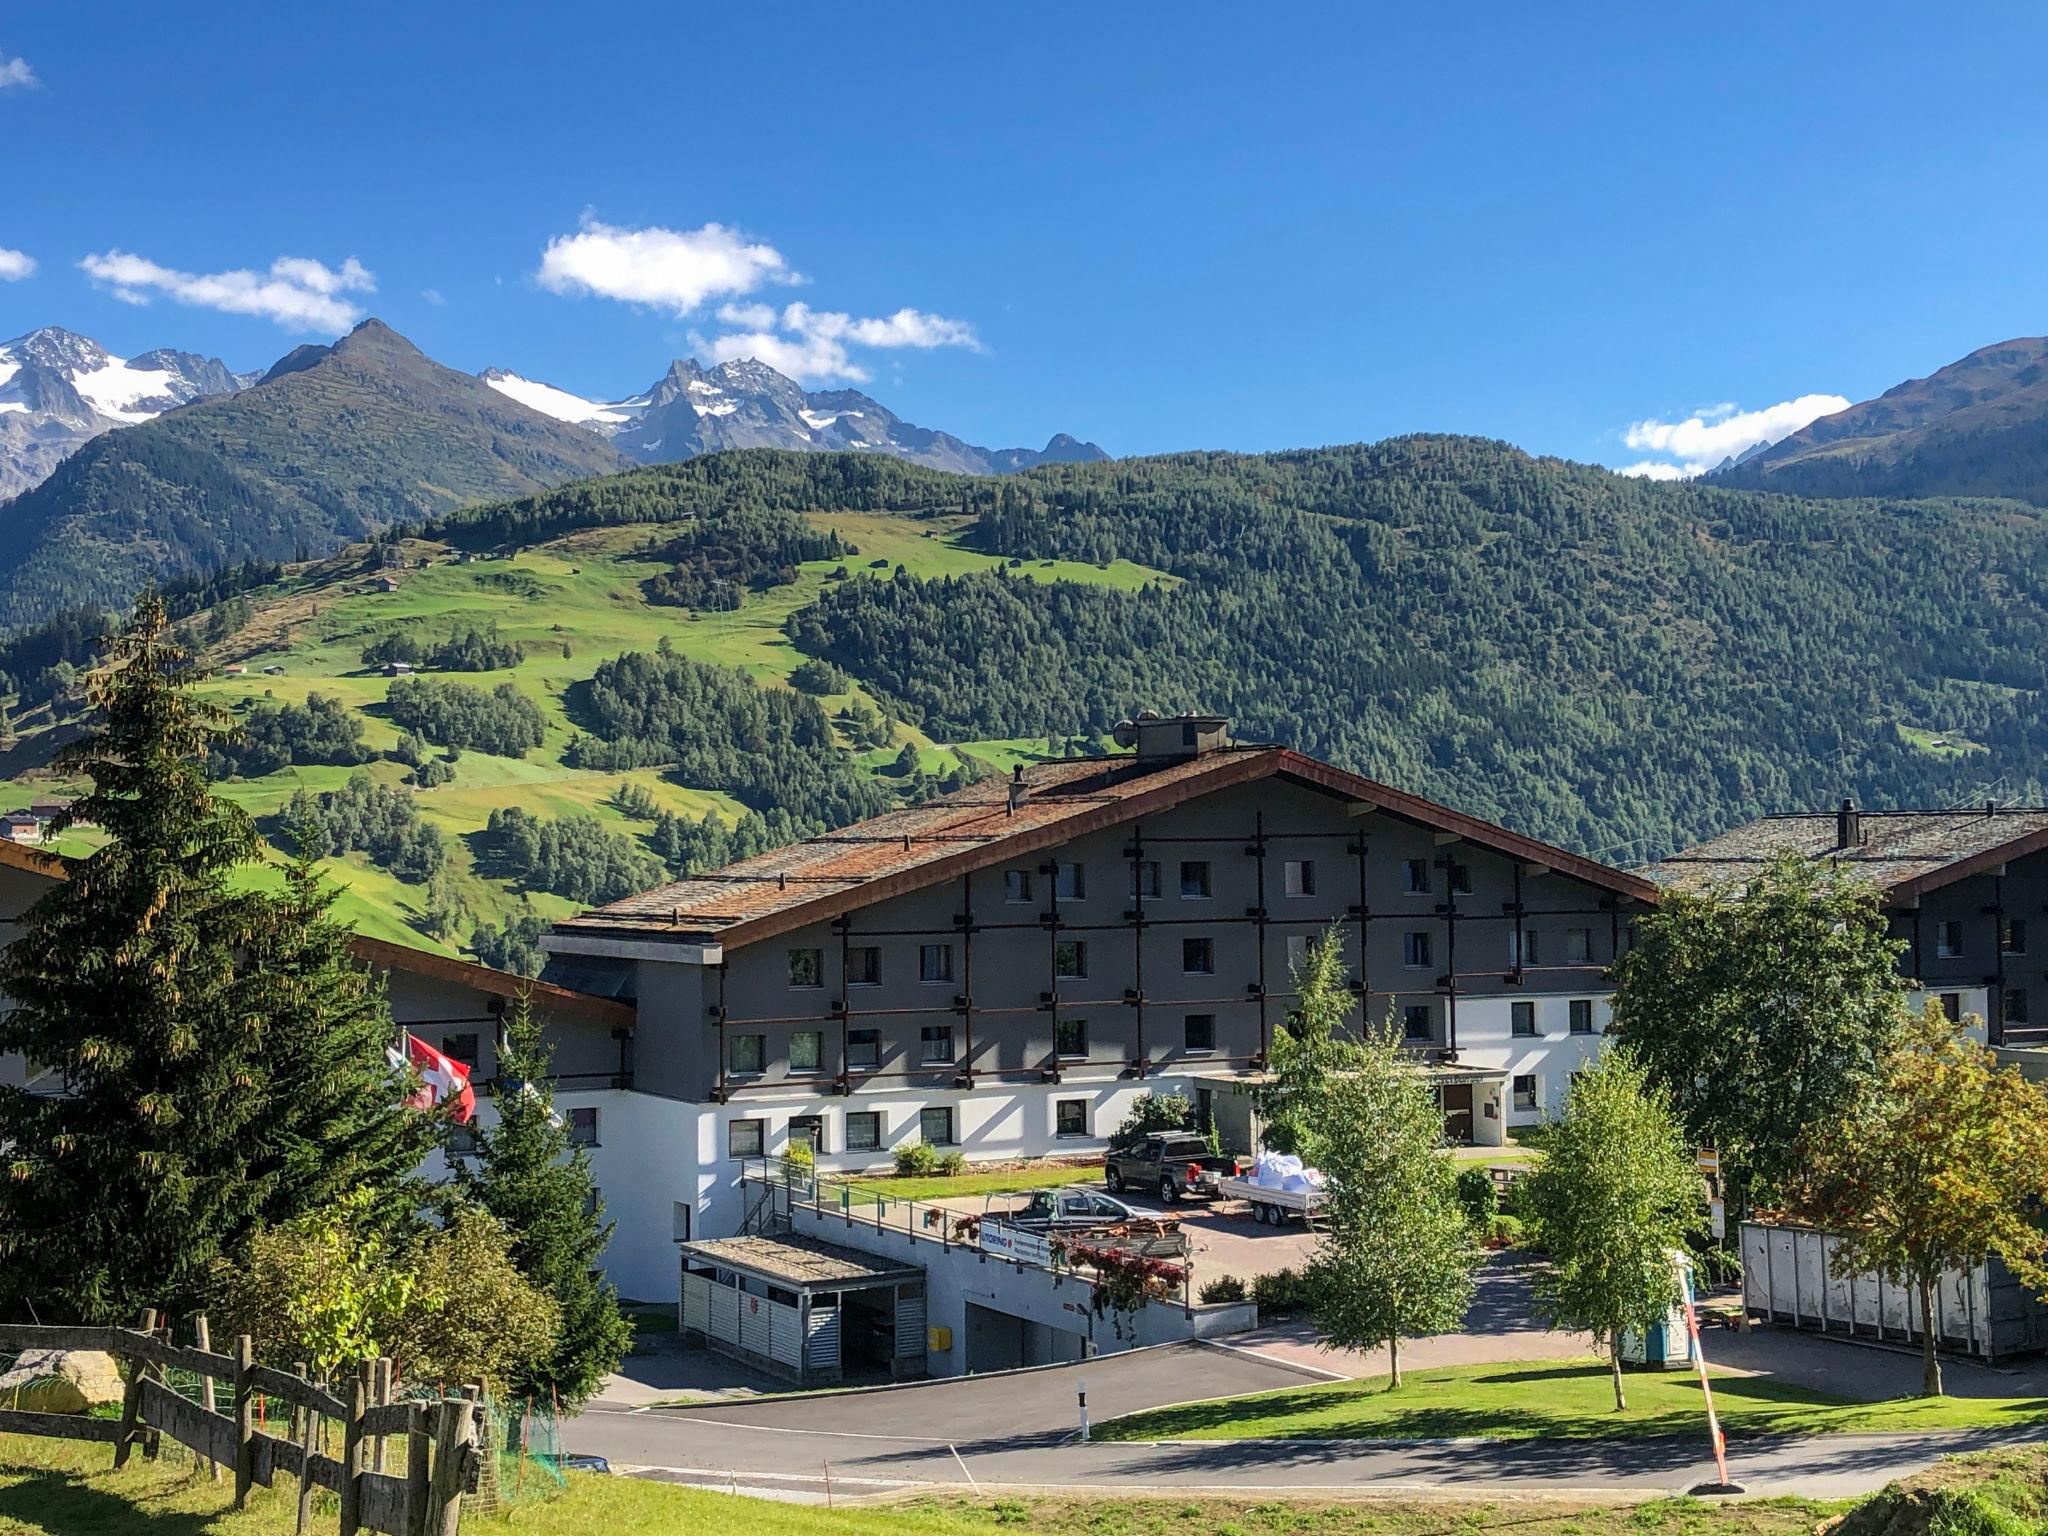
(1159, 227)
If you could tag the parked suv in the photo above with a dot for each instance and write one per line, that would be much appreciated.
(1168, 1164)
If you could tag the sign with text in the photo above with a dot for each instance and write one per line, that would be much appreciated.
(1015, 1243)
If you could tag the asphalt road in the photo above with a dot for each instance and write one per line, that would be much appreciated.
(1018, 1430)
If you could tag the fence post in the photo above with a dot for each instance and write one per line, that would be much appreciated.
(456, 1434)
(306, 1423)
(206, 1398)
(416, 1474)
(382, 1397)
(131, 1396)
(352, 1453)
(245, 1419)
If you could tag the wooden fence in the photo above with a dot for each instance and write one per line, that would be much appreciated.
(434, 1456)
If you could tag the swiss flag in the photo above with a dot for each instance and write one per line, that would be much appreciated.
(443, 1079)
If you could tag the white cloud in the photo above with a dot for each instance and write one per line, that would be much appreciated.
(816, 346)
(298, 293)
(433, 297)
(15, 72)
(1704, 439)
(15, 265)
(671, 269)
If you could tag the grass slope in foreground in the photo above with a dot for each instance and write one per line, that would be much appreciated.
(1565, 1400)
(50, 1488)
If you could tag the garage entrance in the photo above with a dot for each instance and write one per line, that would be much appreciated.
(1000, 1341)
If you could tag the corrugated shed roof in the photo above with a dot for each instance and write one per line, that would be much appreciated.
(1899, 852)
(976, 826)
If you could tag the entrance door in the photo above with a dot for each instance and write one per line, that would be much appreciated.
(1456, 1099)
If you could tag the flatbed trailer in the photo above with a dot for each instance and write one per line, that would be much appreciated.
(1274, 1207)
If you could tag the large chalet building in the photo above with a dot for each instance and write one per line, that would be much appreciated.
(1966, 892)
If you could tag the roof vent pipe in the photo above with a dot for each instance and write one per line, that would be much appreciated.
(1848, 826)
(1017, 790)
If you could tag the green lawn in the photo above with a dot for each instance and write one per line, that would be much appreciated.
(972, 1183)
(51, 1488)
(1555, 1400)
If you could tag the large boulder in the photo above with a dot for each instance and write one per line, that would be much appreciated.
(60, 1381)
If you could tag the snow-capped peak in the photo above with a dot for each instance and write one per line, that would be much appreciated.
(601, 416)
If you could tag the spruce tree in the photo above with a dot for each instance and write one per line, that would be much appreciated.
(119, 1193)
(333, 1117)
(530, 1176)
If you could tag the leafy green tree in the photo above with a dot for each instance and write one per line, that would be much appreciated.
(1309, 1050)
(1615, 1196)
(126, 978)
(1151, 1112)
(476, 1316)
(1944, 1165)
(528, 1175)
(1761, 1009)
(1397, 1261)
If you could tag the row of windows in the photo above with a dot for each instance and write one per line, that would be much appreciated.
(2015, 1006)
(935, 1124)
(1578, 1018)
(1949, 938)
(582, 1126)
(1197, 957)
(746, 1054)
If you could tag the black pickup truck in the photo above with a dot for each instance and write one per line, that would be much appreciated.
(1168, 1164)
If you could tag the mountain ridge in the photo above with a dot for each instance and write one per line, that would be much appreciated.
(743, 403)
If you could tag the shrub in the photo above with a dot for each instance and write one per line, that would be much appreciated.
(801, 1154)
(1222, 1288)
(1281, 1292)
(1153, 1112)
(1478, 1196)
(919, 1160)
(1506, 1229)
(952, 1165)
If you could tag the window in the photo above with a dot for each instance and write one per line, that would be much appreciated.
(1201, 1031)
(1016, 885)
(808, 1131)
(1582, 1015)
(743, 1054)
(1070, 882)
(1297, 951)
(1198, 957)
(1070, 959)
(1070, 1117)
(462, 1138)
(743, 1138)
(1461, 879)
(864, 966)
(460, 1048)
(1145, 880)
(806, 1051)
(1194, 879)
(1948, 939)
(1525, 1093)
(807, 968)
(593, 1201)
(2015, 942)
(1952, 1005)
(2015, 1005)
(863, 1130)
(1578, 946)
(1522, 949)
(936, 1126)
(934, 962)
(583, 1127)
(1298, 877)
(864, 1048)
(1522, 1020)
(1415, 876)
(938, 1042)
(1415, 949)
(1416, 1023)
(1070, 1038)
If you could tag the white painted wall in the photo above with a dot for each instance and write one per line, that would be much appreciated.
(1486, 1039)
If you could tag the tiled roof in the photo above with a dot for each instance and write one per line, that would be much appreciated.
(1900, 852)
(975, 827)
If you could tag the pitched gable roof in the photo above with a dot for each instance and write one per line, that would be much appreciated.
(976, 827)
(1902, 853)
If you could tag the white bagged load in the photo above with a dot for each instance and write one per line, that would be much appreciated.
(1283, 1170)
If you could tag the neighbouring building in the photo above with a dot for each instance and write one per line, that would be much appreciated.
(1966, 892)
(21, 827)
(1005, 968)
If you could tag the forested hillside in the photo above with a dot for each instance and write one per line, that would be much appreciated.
(665, 668)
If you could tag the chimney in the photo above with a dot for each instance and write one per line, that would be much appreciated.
(1174, 738)
(1017, 789)
(1848, 826)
